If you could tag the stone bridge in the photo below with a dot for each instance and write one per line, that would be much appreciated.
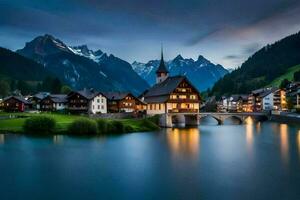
(193, 119)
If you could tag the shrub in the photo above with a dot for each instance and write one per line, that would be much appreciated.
(128, 129)
(102, 126)
(149, 125)
(39, 124)
(154, 119)
(115, 127)
(83, 126)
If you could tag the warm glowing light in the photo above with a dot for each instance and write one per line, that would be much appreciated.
(184, 141)
(249, 132)
(284, 141)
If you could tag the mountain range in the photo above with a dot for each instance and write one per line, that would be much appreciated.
(17, 67)
(81, 67)
(263, 68)
(202, 73)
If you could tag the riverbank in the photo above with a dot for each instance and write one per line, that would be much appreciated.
(14, 122)
(286, 118)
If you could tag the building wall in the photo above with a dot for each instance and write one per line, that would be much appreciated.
(60, 106)
(98, 104)
(268, 102)
(154, 109)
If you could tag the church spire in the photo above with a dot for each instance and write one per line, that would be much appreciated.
(162, 67)
(162, 72)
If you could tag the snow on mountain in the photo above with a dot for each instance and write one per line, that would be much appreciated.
(81, 67)
(201, 72)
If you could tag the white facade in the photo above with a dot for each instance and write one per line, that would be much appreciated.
(98, 104)
(59, 106)
(268, 102)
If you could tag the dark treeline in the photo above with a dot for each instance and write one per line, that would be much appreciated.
(260, 69)
(20, 87)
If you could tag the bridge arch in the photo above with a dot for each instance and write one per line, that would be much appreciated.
(219, 121)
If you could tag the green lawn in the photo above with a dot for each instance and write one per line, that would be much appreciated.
(288, 75)
(16, 124)
(64, 120)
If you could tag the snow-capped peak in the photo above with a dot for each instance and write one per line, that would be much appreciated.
(84, 51)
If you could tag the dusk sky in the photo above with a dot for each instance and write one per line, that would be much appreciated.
(224, 31)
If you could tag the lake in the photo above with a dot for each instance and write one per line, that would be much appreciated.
(256, 160)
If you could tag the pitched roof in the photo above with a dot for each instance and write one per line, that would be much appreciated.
(88, 94)
(267, 92)
(59, 98)
(262, 92)
(116, 95)
(21, 99)
(160, 92)
(41, 95)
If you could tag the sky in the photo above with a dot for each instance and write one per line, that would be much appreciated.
(226, 32)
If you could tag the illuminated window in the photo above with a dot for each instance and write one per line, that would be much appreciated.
(182, 96)
(174, 105)
(192, 96)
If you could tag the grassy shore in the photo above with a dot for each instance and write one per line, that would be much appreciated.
(15, 124)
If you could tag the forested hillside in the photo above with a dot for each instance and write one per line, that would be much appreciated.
(267, 64)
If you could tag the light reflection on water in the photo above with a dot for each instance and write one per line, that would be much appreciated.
(2, 138)
(284, 142)
(249, 133)
(184, 141)
(58, 139)
(167, 164)
(298, 142)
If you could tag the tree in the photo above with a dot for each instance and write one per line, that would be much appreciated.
(289, 103)
(297, 76)
(4, 88)
(24, 87)
(284, 83)
(65, 89)
(56, 86)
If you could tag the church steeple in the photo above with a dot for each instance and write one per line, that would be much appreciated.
(162, 66)
(162, 72)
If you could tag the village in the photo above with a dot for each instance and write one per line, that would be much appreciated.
(170, 94)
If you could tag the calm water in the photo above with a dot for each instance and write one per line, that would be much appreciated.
(252, 161)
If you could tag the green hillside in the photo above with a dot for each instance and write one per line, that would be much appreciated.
(289, 75)
(268, 65)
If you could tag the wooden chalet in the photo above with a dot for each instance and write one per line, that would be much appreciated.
(37, 98)
(124, 102)
(87, 101)
(15, 104)
(54, 102)
(174, 94)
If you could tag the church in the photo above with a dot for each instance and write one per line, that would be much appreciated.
(171, 94)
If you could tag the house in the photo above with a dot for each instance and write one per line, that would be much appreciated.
(293, 92)
(267, 99)
(54, 102)
(87, 101)
(171, 94)
(37, 98)
(124, 102)
(15, 104)
(222, 104)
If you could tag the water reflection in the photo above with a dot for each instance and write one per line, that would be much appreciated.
(58, 139)
(284, 142)
(249, 133)
(298, 142)
(2, 138)
(184, 141)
